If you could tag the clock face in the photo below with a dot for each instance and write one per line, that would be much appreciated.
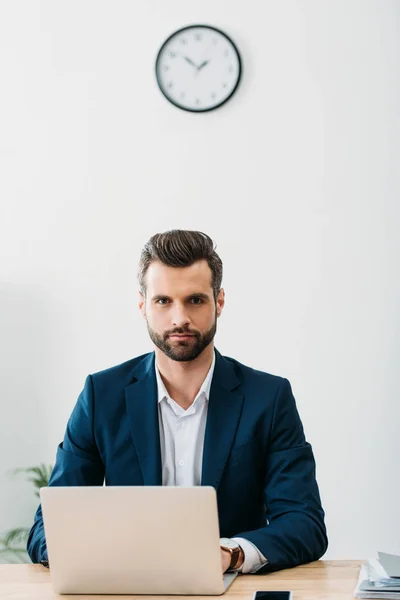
(198, 68)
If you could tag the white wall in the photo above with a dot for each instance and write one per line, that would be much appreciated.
(296, 179)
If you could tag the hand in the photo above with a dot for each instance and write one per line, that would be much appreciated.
(225, 559)
(190, 61)
(203, 64)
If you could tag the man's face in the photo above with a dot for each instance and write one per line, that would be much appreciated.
(180, 301)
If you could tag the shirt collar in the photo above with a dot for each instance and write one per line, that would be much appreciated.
(206, 386)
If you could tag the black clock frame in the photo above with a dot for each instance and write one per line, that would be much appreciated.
(198, 110)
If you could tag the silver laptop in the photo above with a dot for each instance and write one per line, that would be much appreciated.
(133, 540)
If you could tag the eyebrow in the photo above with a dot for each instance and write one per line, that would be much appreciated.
(198, 295)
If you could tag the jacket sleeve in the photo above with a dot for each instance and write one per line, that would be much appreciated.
(78, 462)
(295, 532)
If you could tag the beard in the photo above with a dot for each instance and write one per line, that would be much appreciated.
(183, 350)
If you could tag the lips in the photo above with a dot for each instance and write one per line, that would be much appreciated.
(181, 336)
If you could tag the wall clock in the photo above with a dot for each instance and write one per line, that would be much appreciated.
(198, 68)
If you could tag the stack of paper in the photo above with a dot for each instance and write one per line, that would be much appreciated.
(380, 578)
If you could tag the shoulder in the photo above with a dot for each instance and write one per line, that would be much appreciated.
(255, 377)
(266, 394)
(123, 372)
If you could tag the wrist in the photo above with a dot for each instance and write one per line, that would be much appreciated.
(240, 560)
(235, 551)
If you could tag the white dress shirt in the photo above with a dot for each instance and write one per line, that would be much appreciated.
(182, 440)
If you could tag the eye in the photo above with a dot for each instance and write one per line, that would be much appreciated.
(162, 300)
(200, 301)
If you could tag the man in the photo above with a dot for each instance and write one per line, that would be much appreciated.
(185, 415)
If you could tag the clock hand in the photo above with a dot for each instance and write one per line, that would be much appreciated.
(203, 64)
(190, 62)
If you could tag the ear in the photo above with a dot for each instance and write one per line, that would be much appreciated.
(142, 304)
(220, 302)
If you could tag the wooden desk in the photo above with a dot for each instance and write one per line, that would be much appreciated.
(327, 580)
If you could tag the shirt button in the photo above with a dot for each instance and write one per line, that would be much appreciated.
(181, 463)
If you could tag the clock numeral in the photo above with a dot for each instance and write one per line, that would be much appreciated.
(166, 68)
(197, 101)
(215, 41)
(225, 85)
(172, 54)
(183, 41)
(230, 69)
(170, 85)
(183, 94)
(226, 53)
(198, 37)
(213, 95)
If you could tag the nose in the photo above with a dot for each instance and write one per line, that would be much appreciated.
(179, 317)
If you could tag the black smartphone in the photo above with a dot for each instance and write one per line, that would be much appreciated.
(272, 595)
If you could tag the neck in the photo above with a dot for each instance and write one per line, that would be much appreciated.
(183, 380)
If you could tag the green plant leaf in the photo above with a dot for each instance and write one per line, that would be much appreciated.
(38, 482)
(15, 536)
(10, 543)
(40, 475)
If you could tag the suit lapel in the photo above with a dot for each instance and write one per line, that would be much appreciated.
(224, 410)
(142, 406)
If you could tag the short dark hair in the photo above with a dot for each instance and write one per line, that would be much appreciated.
(181, 248)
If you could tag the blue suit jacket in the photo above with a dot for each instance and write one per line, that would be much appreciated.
(255, 454)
